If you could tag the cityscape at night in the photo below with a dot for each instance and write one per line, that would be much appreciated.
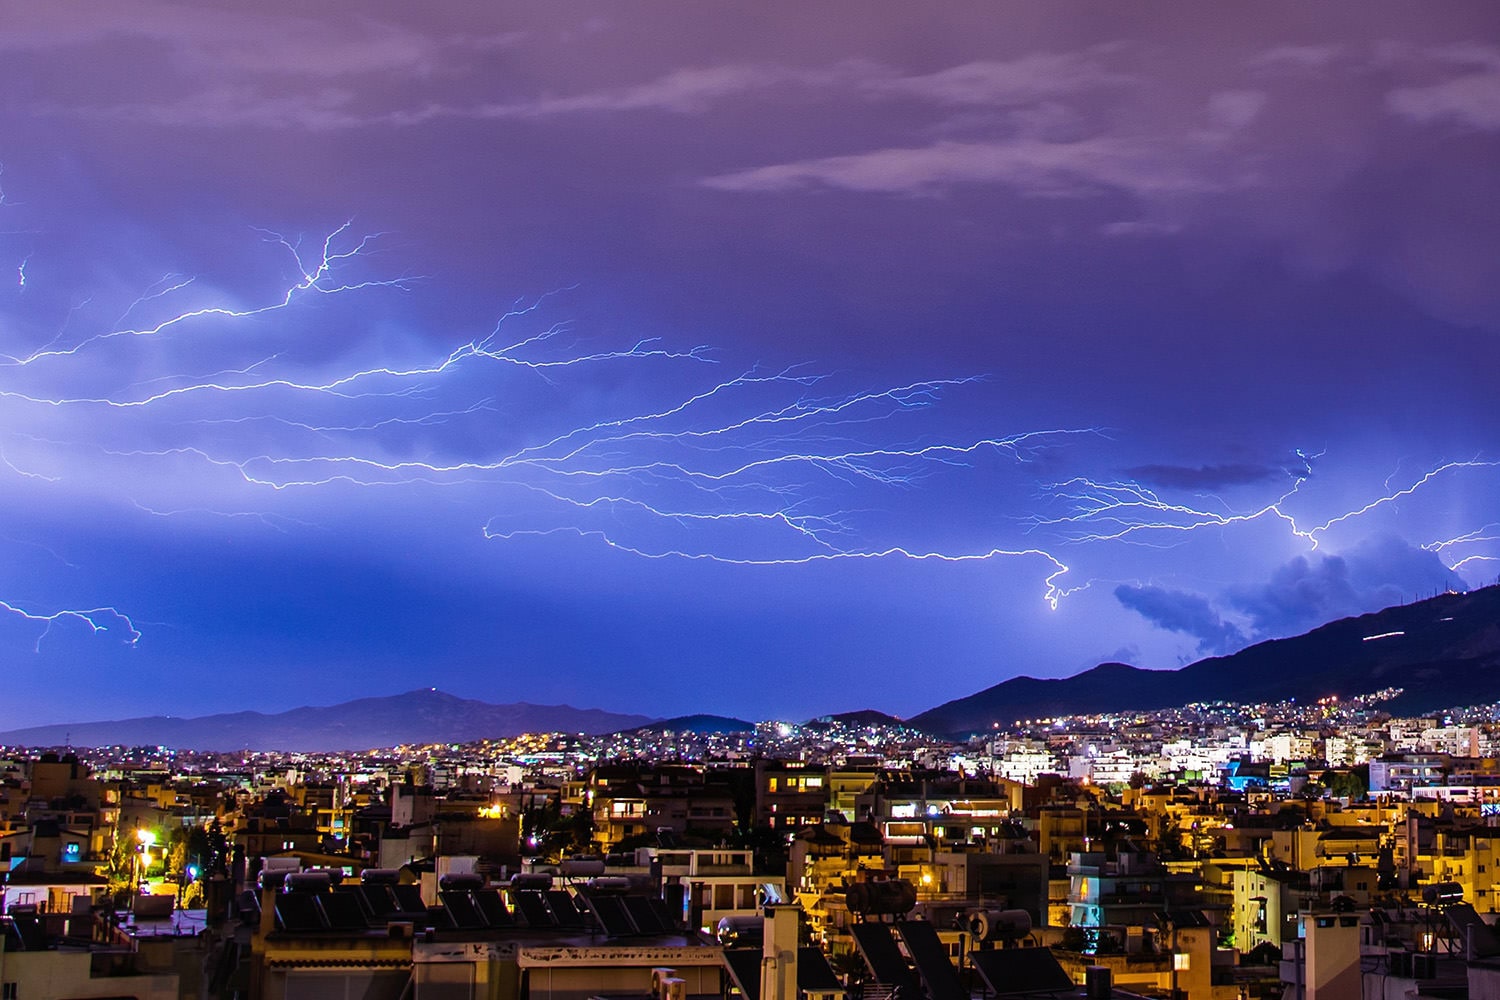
(760, 502)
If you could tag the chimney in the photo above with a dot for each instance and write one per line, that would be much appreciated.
(1333, 971)
(778, 977)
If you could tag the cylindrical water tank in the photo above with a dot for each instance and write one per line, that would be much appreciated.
(999, 925)
(741, 932)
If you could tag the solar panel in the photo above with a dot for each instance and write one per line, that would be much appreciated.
(408, 899)
(532, 909)
(493, 907)
(638, 908)
(880, 953)
(814, 972)
(376, 900)
(1462, 916)
(612, 916)
(1014, 971)
(298, 911)
(26, 933)
(744, 969)
(560, 901)
(343, 911)
(663, 913)
(931, 956)
(462, 909)
(247, 904)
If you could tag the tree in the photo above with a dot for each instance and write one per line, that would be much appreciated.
(119, 863)
(1344, 784)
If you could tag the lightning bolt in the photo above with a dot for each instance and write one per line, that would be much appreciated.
(314, 277)
(749, 467)
(97, 619)
(1479, 536)
(728, 456)
(1101, 511)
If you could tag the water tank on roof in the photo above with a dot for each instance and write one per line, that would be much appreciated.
(610, 883)
(895, 896)
(531, 880)
(272, 878)
(308, 882)
(741, 932)
(1443, 893)
(999, 925)
(335, 875)
(461, 881)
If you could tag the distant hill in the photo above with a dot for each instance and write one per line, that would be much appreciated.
(700, 725)
(863, 717)
(423, 716)
(1443, 652)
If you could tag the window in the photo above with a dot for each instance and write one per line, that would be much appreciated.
(8, 991)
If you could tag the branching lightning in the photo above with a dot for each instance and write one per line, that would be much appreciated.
(1479, 536)
(766, 467)
(1124, 510)
(97, 619)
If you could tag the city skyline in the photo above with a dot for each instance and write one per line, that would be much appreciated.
(692, 362)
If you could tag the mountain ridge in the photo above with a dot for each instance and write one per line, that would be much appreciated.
(424, 715)
(1442, 651)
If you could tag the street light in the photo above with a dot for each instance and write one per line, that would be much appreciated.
(147, 838)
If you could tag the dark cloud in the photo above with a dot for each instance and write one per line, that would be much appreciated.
(1308, 591)
(1205, 477)
(1301, 594)
(1169, 229)
(1179, 611)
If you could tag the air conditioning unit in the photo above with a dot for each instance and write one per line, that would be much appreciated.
(661, 984)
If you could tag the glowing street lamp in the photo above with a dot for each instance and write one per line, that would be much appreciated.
(147, 839)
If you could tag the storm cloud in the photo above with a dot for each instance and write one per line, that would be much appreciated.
(1179, 611)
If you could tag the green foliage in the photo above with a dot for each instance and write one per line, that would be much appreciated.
(1345, 784)
(119, 862)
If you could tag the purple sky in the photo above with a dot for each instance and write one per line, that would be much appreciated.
(773, 363)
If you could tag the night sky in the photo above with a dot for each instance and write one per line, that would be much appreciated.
(665, 358)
